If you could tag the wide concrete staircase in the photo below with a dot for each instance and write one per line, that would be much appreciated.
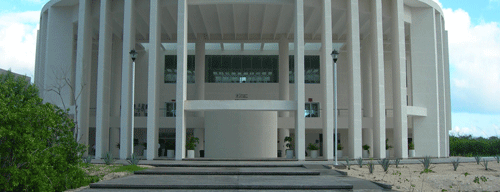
(227, 176)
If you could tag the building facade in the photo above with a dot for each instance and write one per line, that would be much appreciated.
(241, 75)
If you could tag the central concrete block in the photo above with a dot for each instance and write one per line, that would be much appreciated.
(241, 134)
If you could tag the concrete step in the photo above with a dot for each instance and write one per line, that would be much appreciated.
(285, 171)
(226, 165)
(229, 182)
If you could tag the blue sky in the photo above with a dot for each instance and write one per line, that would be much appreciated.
(474, 44)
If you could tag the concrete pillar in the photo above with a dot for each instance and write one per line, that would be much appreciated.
(354, 76)
(425, 82)
(41, 54)
(114, 138)
(284, 67)
(83, 65)
(300, 130)
(127, 111)
(155, 78)
(366, 78)
(378, 83)
(282, 133)
(181, 91)
(441, 83)
(447, 87)
(103, 80)
(200, 74)
(200, 134)
(326, 74)
(399, 79)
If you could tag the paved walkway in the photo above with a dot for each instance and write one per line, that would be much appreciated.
(229, 175)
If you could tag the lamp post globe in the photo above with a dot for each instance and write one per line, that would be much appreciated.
(133, 54)
(335, 55)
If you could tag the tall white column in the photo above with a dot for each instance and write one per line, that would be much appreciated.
(366, 78)
(425, 82)
(354, 74)
(83, 58)
(447, 87)
(326, 74)
(300, 123)
(399, 79)
(378, 83)
(284, 88)
(441, 83)
(181, 91)
(200, 74)
(284, 65)
(127, 112)
(154, 79)
(103, 80)
(41, 54)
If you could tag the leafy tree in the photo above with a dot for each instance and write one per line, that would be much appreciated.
(37, 148)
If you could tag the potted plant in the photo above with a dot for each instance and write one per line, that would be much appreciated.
(314, 150)
(170, 149)
(411, 148)
(339, 150)
(387, 148)
(366, 151)
(145, 151)
(118, 145)
(190, 145)
(289, 150)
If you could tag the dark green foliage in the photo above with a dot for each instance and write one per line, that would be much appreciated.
(312, 147)
(88, 159)
(497, 157)
(360, 162)
(289, 141)
(485, 164)
(191, 143)
(38, 151)
(385, 164)
(455, 164)
(469, 146)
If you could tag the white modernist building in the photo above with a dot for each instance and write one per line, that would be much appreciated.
(241, 75)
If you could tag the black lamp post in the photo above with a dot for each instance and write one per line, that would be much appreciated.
(133, 55)
(335, 55)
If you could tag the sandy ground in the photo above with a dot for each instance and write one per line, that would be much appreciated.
(408, 177)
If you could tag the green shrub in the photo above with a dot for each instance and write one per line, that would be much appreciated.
(87, 160)
(497, 157)
(385, 164)
(348, 163)
(455, 164)
(133, 159)
(469, 146)
(38, 151)
(426, 162)
(371, 167)
(312, 147)
(108, 158)
(478, 159)
(360, 162)
(396, 161)
(485, 164)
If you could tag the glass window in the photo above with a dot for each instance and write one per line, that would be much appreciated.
(311, 110)
(311, 69)
(171, 68)
(170, 109)
(242, 69)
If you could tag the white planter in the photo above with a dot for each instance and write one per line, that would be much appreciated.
(170, 153)
(387, 153)
(145, 153)
(365, 154)
(339, 153)
(190, 154)
(314, 154)
(411, 153)
(289, 154)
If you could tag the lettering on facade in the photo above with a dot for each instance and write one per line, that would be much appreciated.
(241, 96)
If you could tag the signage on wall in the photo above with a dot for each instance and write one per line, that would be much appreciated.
(241, 96)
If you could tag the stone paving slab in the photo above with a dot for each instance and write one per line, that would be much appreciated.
(222, 182)
(227, 171)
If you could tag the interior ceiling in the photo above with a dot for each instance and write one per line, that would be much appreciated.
(238, 22)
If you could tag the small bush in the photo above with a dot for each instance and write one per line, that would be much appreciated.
(133, 159)
(360, 162)
(396, 161)
(87, 160)
(485, 164)
(497, 157)
(478, 159)
(371, 167)
(108, 158)
(455, 164)
(348, 163)
(384, 163)
(312, 147)
(427, 161)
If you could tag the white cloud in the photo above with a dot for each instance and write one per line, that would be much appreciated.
(475, 62)
(462, 131)
(18, 35)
